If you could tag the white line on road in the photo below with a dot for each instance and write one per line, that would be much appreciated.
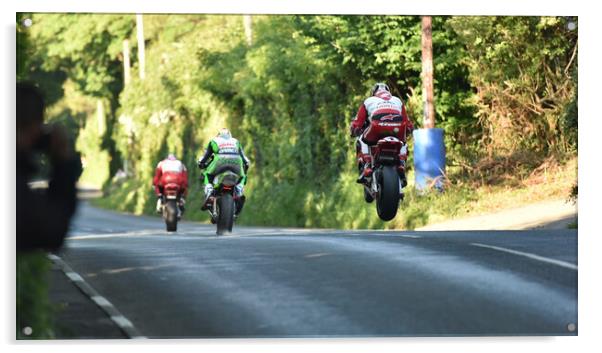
(529, 255)
(410, 236)
(101, 301)
(74, 277)
(320, 254)
(136, 233)
(123, 323)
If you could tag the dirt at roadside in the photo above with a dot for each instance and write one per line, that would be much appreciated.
(556, 214)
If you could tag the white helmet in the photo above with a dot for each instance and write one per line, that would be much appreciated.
(380, 86)
(224, 133)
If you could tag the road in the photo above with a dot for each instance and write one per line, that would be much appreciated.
(270, 282)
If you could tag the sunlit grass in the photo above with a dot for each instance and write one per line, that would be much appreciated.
(554, 184)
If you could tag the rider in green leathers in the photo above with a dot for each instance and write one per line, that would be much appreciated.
(224, 152)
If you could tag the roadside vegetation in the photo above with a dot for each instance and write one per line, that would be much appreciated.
(34, 310)
(505, 94)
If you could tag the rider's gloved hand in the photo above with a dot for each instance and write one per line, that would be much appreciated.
(202, 165)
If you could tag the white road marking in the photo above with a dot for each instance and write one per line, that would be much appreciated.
(124, 324)
(74, 277)
(317, 254)
(101, 301)
(409, 236)
(136, 233)
(53, 257)
(529, 255)
(122, 321)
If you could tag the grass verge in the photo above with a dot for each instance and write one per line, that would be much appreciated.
(34, 310)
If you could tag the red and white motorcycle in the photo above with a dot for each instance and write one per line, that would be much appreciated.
(386, 176)
(171, 206)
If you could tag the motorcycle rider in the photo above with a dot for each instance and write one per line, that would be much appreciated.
(171, 170)
(380, 115)
(224, 151)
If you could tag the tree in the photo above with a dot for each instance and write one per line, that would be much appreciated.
(85, 49)
(520, 67)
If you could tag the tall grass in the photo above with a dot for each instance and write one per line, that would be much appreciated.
(304, 204)
(34, 310)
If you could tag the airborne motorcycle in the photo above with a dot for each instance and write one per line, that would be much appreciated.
(387, 178)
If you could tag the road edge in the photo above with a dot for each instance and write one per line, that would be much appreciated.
(109, 309)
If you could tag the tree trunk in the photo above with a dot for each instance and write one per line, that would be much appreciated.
(100, 117)
(126, 62)
(427, 72)
(248, 24)
(140, 35)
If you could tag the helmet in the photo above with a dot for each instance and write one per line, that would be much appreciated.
(380, 87)
(171, 157)
(224, 133)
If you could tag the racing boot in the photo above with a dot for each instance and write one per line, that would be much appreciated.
(183, 204)
(159, 207)
(364, 165)
(208, 193)
(240, 202)
(181, 207)
(401, 171)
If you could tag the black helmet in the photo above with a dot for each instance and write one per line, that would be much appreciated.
(380, 86)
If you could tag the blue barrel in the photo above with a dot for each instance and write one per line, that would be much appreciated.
(429, 157)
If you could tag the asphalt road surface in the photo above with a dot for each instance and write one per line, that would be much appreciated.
(270, 282)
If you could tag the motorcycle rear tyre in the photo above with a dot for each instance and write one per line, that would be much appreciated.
(387, 200)
(225, 218)
(171, 216)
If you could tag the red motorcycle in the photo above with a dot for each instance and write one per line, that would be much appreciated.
(171, 206)
(385, 177)
(388, 177)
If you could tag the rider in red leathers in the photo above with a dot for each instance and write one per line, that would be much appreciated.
(379, 116)
(170, 170)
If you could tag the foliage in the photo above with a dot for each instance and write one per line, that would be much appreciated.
(521, 68)
(290, 94)
(22, 46)
(84, 46)
(376, 48)
(95, 159)
(570, 117)
(33, 307)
